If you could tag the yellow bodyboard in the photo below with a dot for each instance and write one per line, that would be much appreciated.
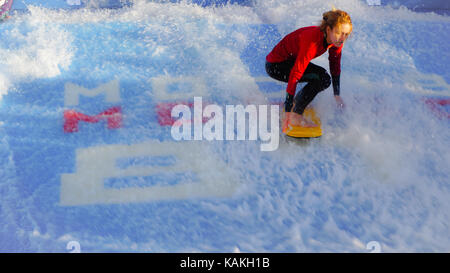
(297, 131)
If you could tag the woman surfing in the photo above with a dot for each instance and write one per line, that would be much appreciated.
(290, 61)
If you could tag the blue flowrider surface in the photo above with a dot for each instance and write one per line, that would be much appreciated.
(88, 155)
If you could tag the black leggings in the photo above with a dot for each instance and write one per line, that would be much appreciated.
(316, 76)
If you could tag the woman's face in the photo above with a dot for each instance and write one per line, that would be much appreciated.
(338, 34)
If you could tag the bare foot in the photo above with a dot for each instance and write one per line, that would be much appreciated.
(298, 120)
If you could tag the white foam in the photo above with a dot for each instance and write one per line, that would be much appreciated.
(41, 51)
(386, 133)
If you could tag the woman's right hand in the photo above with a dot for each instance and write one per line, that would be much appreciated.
(285, 121)
(288, 103)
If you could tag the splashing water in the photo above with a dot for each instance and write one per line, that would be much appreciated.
(380, 173)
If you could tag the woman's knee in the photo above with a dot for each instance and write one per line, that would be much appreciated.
(325, 81)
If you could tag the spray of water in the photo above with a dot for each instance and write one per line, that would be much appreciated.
(379, 173)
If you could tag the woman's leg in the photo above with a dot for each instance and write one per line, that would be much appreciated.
(318, 80)
(316, 76)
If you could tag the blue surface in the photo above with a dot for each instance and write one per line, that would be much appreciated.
(375, 175)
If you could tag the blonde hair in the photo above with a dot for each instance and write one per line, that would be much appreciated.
(333, 18)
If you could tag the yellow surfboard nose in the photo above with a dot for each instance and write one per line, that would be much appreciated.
(298, 131)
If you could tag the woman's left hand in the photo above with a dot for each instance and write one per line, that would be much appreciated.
(339, 102)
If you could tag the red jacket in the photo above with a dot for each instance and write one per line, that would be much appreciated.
(304, 44)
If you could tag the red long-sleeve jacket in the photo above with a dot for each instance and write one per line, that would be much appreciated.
(303, 45)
